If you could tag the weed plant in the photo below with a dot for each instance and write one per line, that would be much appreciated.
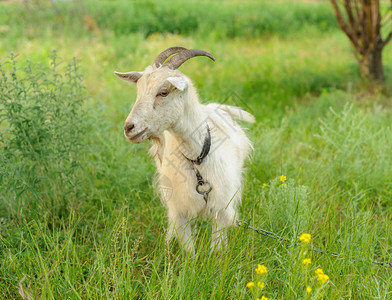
(42, 133)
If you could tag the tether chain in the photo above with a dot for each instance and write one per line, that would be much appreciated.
(270, 234)
(201, 183)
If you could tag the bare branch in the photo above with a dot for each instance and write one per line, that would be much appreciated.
(374, 23)
(387, 40)
(357, 9)
(347, 5)
(343, 25)
(386, 20)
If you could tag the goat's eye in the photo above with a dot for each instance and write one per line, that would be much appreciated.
(163, 93)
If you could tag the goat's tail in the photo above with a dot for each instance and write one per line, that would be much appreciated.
(237, 113)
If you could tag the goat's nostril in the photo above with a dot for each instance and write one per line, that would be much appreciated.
(128, 127)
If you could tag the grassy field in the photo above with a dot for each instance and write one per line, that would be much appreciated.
(79, 217)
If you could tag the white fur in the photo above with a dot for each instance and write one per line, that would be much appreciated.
(177, 124)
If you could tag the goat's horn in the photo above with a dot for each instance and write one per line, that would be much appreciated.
(165, 54)
(176, 61)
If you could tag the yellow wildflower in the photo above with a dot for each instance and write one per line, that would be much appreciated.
(323, 278)
(262, 298)
(261, 269)
(261, 285)
(250, 284)
(306, 261)
(305, 238)
(264, 185)
(319, 271)
(308, 289)
(283, 178)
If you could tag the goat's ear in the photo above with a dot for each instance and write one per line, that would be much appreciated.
(180, 83)
(129, 76)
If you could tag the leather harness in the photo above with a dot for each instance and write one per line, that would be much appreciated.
(203, 187)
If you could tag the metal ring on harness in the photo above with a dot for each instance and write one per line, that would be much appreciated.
(203, 183)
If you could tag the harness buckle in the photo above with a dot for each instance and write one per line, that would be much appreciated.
(203, 187)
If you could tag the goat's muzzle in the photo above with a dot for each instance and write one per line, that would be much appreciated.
(132, 134)
(128, 128)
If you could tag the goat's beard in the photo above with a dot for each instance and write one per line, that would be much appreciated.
(137, 140)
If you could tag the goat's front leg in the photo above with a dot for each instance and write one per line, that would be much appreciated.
(181, 226)
(222, 219)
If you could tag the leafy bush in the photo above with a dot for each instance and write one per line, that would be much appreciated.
(41, 136)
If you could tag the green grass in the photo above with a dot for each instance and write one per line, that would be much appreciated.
(228, 19)
(79, 217)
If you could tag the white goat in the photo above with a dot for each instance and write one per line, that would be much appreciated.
(199, 149)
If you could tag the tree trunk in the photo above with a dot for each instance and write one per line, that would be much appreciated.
(370, 64)
(362, 24)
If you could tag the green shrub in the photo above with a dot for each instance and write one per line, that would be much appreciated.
(41, 136)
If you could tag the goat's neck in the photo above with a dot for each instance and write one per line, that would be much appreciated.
(191, 127)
